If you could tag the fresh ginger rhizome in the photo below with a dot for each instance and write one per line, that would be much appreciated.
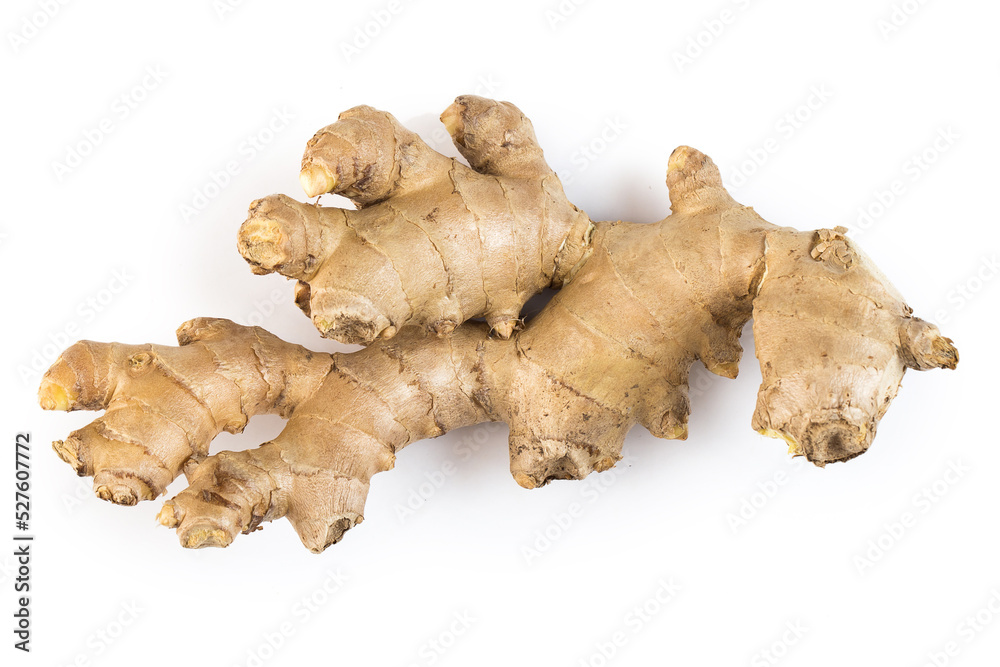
(430, 247)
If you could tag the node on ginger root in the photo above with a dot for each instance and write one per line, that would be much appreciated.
(433, 242)
(640, 304)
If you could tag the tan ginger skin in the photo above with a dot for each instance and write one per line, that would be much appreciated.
(433, 242)
(613, 348)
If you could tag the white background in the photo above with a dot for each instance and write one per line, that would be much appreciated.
(825, 551)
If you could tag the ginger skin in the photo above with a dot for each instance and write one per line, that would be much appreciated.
(612, 349)
(433, 242)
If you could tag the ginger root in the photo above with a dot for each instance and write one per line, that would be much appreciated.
(433, 242)
(612, 349)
